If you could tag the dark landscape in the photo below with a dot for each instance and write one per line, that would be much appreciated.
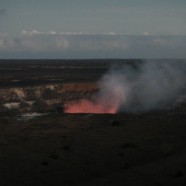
(41, 143)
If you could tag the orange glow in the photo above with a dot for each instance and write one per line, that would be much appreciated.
(86, 106)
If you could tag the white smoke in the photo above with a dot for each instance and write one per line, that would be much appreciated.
(147, 86)
(114, 89)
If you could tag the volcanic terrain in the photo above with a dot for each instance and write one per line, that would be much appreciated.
(42, 144)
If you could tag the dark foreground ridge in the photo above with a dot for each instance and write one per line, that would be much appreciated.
(91, 149)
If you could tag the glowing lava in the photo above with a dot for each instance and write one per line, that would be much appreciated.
(86, 106)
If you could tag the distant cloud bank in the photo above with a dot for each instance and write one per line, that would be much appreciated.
(34, 32)
(38, 44)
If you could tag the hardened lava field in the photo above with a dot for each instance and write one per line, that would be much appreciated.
(42, 145)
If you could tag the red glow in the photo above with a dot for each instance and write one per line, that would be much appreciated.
(85, 106)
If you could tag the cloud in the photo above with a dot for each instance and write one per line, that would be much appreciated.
(52, 32)
(76, 41)
(49, 43)
(89, 33)
(146, 33)
(37, 32)
(42, 42)
(77, 33)
(112, 33)
(90, 45)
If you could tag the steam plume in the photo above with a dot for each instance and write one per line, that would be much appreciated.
(143, 87)
(153, 85)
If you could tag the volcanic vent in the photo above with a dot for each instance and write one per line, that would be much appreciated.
(87, 106)
(107, 100)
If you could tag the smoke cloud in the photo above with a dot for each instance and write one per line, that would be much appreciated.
(140, 87)
(148, 86)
